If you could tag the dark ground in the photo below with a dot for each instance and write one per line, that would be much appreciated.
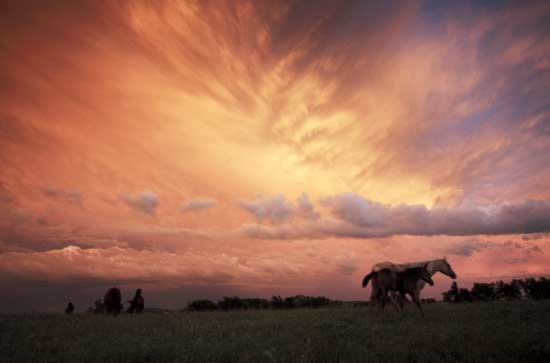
(478, 332)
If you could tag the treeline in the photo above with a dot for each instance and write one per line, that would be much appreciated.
(276, 302)
(529, 288)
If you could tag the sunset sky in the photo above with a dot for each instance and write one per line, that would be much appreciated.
(200, 149)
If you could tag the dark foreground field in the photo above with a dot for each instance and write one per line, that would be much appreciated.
(482, 332)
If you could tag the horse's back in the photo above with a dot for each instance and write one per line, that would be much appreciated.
(397, 267)
(389, 266)
(386, 279)
(384, 265)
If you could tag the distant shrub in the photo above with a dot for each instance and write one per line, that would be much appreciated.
(256, 303)
(231, 303)
(529, 288)
(508, 291)
(536, 289)
(277, 302)
(237, 303)
(201, 305)
(483, 292)
(99, 307)
(301, 301)
(456, 294)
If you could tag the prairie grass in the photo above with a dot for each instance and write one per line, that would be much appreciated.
(479, 332)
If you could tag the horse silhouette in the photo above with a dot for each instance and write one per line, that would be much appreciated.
(433, 266)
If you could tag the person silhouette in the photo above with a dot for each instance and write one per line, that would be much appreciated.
(69, 309)
(137, 303)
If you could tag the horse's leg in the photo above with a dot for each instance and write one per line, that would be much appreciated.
(416, 298)
(401, 299)
(373, 296)
(392, 300)
(382, 299)
(377, 298)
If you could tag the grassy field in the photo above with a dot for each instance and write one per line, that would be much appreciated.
(482, 332)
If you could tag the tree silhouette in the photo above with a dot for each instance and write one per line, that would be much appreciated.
(529, 288)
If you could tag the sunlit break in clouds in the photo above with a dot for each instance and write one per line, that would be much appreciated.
(199, 149)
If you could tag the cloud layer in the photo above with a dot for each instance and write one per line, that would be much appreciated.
(471, 246)
(350, 215)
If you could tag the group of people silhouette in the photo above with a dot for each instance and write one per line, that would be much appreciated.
(112, 303)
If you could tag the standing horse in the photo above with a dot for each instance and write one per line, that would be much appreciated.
(403, 282)
(433, 267)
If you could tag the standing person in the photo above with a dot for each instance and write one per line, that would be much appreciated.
(69, 309)
(137, 303)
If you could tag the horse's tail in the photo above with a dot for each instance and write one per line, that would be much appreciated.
(367, 279)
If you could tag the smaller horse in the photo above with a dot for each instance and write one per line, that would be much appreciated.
(403, 282)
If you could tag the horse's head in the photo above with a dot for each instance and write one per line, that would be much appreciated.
(425, 275)
(446, 269)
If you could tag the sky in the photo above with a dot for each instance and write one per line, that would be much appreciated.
(200, 149)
